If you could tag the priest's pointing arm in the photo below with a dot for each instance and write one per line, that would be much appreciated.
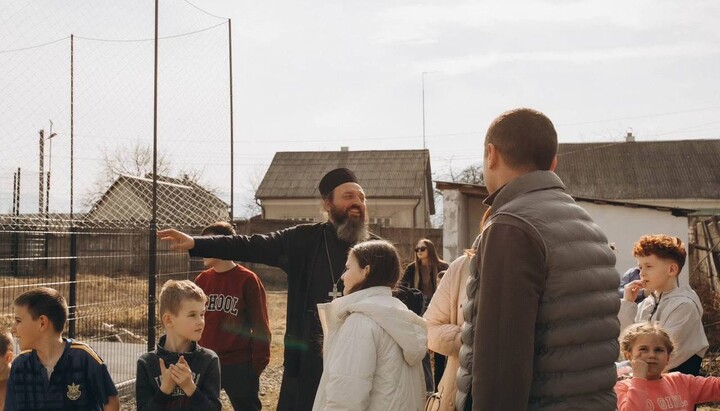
(271, 249)
(179, 241)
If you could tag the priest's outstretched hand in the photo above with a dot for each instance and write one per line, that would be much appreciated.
(179, 241)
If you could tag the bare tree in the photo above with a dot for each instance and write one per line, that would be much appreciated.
(472, 174)
(248, 204)
(134, 160)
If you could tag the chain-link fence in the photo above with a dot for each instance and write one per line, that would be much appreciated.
(103, 273)
(76, 169)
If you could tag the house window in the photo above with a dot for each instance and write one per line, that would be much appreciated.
(302, 219)
(381, 221)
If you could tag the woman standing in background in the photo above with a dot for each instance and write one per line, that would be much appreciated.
(422, 274)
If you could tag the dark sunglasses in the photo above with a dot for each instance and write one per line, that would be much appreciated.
(418, 249)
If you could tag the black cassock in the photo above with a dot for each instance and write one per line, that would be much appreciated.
(301, 252)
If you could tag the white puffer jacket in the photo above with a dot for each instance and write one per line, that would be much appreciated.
(372, 354)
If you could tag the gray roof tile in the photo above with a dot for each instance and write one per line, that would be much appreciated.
(641, 169)
(382, 174)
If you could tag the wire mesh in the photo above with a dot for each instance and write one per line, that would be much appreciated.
(76, 181)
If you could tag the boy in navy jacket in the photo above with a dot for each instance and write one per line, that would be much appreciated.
(179, 374)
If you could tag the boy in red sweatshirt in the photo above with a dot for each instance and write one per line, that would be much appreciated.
(236, 324)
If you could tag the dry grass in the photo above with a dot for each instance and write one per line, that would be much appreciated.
(120, 301)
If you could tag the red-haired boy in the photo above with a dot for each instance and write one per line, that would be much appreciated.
(678, 309)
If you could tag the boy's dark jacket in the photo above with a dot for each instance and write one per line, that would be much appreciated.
(205, 367)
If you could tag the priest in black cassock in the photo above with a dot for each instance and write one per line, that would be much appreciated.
(313, 256)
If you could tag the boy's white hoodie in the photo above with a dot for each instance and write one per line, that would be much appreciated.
(679, 312)
(372, 353)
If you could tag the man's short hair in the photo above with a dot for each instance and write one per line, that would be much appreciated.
(219, 228)
(6, 341)
(525, 138)
(45, 301)
(662, 246)
(174, 292)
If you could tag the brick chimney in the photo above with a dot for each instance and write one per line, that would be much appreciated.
(629, 137)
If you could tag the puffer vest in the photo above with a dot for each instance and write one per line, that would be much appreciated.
(576, 332)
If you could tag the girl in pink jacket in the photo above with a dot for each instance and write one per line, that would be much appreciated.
(648, 348)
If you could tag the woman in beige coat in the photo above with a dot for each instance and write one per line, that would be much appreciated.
(444, 318)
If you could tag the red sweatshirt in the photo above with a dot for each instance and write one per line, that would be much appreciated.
(674, 391)
(236, 318)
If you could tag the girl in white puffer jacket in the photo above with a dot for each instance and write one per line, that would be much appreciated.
(374, 345)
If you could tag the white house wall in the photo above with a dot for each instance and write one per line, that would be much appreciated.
(306, 209)
(686, 203)
(121, 203)
(399, 211)
(462, 215)
(454, 223)
(624, 226)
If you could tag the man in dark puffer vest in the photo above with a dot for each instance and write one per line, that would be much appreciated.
(541, 317)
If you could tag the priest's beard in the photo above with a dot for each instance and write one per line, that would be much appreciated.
(349, 228)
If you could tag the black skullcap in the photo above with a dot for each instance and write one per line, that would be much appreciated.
(335, 178)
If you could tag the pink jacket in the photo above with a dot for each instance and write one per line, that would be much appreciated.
(444, 317)
(674, 391)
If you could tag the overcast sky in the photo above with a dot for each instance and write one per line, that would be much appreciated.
(318, 75)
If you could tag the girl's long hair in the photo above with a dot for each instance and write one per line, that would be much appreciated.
(384, 262)
(434, 262)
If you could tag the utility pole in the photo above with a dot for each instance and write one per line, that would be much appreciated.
(47, 185)
(232, 129)
(423, 106)
(423, 103)
(41, 179)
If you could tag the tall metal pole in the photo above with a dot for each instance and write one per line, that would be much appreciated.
(15, 192)
(49, 172)
(73, 235)
(423, 102)
(232, 130)
(41, 187)
(423, 106)
(15, 242)
(72, 123)
(152, 249)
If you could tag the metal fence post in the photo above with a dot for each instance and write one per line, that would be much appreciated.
(73, 282)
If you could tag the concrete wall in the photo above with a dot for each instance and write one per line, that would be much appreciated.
(462, 215)
(121, 252)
